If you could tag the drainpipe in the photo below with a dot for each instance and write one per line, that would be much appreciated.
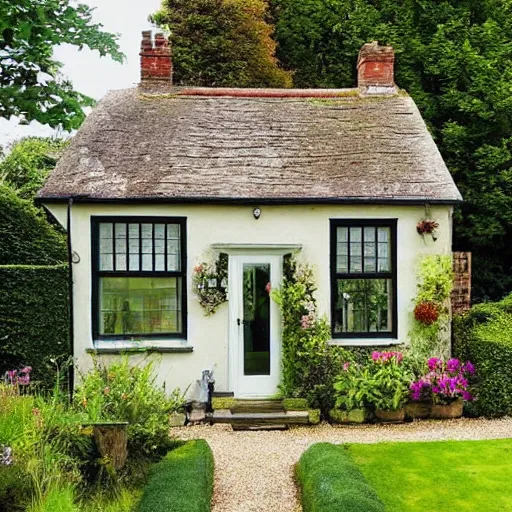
(71, 308)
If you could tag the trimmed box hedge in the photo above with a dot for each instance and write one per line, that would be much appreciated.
(484, 337)
(181, 482)
(34, 319)
(330, 481)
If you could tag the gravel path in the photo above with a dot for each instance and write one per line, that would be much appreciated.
(254, 470)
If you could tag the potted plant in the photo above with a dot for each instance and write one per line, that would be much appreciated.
(420, 403)
(447, 383)
(350, 388)
(389, 381)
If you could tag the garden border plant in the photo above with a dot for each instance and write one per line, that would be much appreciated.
(182, 481)
(330, 480)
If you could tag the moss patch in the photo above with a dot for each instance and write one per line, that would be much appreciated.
(314, 416)
(295, 404)
(223, 402)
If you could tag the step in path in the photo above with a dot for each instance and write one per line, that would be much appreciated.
(254, 470)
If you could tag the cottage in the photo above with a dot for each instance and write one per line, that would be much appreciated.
(160, 179)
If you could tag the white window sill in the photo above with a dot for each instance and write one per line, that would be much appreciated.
(364, 342)
(153, 345)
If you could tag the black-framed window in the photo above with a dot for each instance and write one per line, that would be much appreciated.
(363, 278)
(139, 277)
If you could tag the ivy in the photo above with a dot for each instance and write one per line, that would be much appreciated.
(434, 287)
(309, 363)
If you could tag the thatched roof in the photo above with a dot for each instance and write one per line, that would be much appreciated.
(252, 145)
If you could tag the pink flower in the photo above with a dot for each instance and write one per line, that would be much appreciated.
(198, 268)
(268, 288)
(346, 366)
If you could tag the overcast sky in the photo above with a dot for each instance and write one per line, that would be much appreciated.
(91, 74)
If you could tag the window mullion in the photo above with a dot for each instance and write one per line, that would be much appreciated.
(153, 246)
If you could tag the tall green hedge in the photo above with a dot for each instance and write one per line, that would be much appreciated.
(26, 236)
(484, 336)
(34, 318)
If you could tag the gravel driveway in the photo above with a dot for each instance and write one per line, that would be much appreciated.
(254, 470)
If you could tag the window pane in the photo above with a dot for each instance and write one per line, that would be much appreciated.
(356, 262)
(138, 306)
(173, 247)
(369, 249)
(107, 262)
(120, 230)
(134, 261)
(147, 262)
(384, 238)
(159, 231)
(105, 230)
(121, 262)
(363, 305)
(159, 262)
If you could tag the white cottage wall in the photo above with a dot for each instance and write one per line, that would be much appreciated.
(305, 225)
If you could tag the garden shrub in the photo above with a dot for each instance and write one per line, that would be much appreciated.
(330, 480)
(181, 482)
(309, 363)
(484, 336)
(125, 392)
(34, 319)
(26, 236)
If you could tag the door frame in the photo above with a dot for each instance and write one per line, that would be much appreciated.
(238, 383)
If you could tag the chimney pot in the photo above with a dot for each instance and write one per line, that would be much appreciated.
(375, 69)
(155, 58)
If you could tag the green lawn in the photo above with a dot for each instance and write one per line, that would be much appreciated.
(464, 476)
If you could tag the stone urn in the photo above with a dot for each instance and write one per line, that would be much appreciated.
(112, 442)
(447, 411)
(387, 416)
(417, 410)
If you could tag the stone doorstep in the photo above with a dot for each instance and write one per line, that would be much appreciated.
(261, 418)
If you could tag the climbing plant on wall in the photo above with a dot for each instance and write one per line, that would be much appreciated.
(430, 332)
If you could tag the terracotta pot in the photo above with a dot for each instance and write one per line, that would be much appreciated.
(417, 410)
(448, 411)
(390, 416)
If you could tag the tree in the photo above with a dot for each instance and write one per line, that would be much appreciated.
(455, 59)
(30, 84)
(28, 164)
(221, 43)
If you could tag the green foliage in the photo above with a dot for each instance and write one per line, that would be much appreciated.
(26, 237)
(330, 480)
(379, 383)
(484, 336)
(34, 318)
(435, 285)
(309, 363)
(125, 392)
(295, 404)
(221, 43)
(455, 59)
(29, 163)
(30, 83)
(181, 482)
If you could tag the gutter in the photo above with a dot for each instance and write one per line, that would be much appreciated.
(251, 201)
(71, 381)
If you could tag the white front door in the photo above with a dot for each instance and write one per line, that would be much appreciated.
(255, 344)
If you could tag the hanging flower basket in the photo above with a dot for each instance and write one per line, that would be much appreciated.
(211, 283)
(426, 313)
(427, 227)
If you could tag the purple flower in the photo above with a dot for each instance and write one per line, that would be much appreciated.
(453, 365)
(433, 362)
(469, 368)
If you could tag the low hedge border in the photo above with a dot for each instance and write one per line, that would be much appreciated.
(330, 480)
(182, 481)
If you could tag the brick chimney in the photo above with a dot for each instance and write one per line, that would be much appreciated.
(375, 69)
(155, 58)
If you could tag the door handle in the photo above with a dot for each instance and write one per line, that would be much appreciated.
(243, 322)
